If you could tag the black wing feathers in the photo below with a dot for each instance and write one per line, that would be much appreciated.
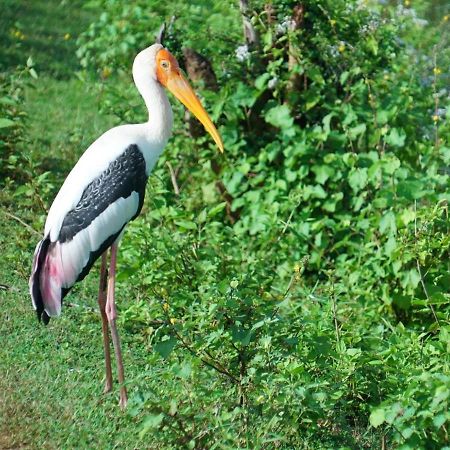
(124, 175)
(41, 253)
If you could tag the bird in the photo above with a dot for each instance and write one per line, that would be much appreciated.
(105, 191)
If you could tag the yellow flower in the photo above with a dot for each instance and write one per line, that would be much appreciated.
(435, 118)
(173, 320)
(297, 268)
(106, 72)
(407, 2)
(333, 22)
(445, 18)
(437, 71)
(166, 306)
(18, 34)
(67, 36)
(341, 48)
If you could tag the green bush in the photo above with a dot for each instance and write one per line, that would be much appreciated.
(11, 120)
(20, 177)
(298, 285)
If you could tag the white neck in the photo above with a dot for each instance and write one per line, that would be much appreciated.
(160, 118)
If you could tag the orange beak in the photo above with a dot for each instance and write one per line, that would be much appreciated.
(179, 87)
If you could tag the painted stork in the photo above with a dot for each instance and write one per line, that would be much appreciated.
(103, 192)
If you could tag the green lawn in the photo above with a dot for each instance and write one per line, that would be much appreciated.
(51, 378)
(44, 30)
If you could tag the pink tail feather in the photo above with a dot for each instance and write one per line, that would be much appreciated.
(46, 281)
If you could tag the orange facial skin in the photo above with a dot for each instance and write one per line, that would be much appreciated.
(166, 65)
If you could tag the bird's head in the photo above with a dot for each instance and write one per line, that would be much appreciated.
(165, 69)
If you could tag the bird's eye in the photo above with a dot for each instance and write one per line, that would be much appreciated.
(165, 64)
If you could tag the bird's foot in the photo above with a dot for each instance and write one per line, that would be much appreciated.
(108, 387)
(123, 398)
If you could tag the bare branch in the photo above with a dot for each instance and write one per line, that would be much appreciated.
(250, 34)
(173, 177)
(22, 222)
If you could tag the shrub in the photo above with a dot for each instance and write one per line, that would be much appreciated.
(293, 282)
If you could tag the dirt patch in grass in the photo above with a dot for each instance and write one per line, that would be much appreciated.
(14, 420)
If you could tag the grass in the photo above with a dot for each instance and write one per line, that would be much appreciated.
(44, 30)
(63, 122)
(51, 377)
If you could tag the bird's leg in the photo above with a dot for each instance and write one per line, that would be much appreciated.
(112, 314)
(102, 304)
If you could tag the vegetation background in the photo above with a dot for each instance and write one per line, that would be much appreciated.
(293, 293)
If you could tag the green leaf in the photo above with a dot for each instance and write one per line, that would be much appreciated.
(316, 191)
(391, 163)
(326, 122)
(235, 183)
(439, 420)
(407, 216)
(383, 117)
(445, 153)
(390, 246)
(261, 81)
(33, 73)
(201, 218)
(186, 224)
(353, 351)
(355, 131)
(5, 123)
(258, 325)
(7, 101)
(396, 138)
(217, 209)
(358, 179)
(377, 417)
(372, 44)
(281, 184)
(183, 371)
(241, 335)
(323, 172)
(164, 348)
(350, 115)
(411, 279)
(311, 99)
(343, 77)
(411, 189)
(387, 223)
(151, 421)
(439, 298)
(279, 116)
